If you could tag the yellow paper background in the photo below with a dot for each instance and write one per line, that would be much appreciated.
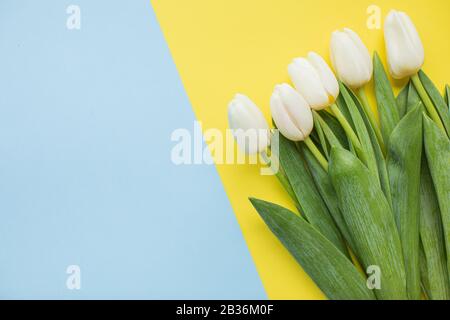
(221, 47)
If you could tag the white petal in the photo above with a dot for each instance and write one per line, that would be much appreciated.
(243, 114)
(327, 76)
(282, 119)
(364, 59)
(365, 54)
(297, 108)
(308, 82)
(414, 38)
(252, 116)
(351, 65)
(403, 45)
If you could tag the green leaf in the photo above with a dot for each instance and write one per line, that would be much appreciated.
(438, 101)
(370, 220)
(320, 132)
(336, 128)
(403, 164)
(328, 133)
(447, 95)
(387, 106)
(367, 154)
(379, 156)
(437, 148)
(413, 97)
(326, 190)
(333, 273)
(402, 101)
(432, 238)
(424, 274)
(311, 203)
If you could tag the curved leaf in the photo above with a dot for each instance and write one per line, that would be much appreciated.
(403, 164)
(323, 183)
(438, 101)
(321, 135)
(432, 238)
(311, 203)
(379, 156)
(367, 154)
(447, 95)
(333, 273)
(370, 220)
(331, 124)
(387, 106)
(437, 148)
(402, 101)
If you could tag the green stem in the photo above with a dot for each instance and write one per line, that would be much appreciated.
(347, 128)
(369, 112)
(427, 101)
(316, 152)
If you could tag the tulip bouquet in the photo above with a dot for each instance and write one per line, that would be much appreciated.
(373, 197)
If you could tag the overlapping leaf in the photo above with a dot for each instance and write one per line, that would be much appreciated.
(378, 153)
(402, 101)
(447, 95)
(323, 183)
(333, 273)
(404, 162)
(387, 106)
(333, 129)
(311, 203)
(437, 148)
(369, 217)
(434, 258)
(413, 98)
(438, 101)
(366, 154)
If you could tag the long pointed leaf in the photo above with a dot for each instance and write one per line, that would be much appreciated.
(370, 219)
(432, 238)
(402, 101)
(333, 124)
(328, 133)
(413, 98)
(438, 101)
(403, 164)
(437, 148)
(311, 203)
(333, 273)
(368, 155)
(323, 183)
(387, 106)
(424, 274)
(379, 156)
(447, 95)
(320, 132)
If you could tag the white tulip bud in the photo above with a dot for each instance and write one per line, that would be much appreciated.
(404, 48)
(350, 58)
(313, 78)
(291, 113)
(249, 126)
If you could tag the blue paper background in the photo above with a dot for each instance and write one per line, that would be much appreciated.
(85, 172)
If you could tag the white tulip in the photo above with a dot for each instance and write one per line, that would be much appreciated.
(313, 78)
(404, 48)
(249, 126)
(350, 58)
(291, 113)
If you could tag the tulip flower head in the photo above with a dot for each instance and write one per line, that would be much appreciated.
(350, 58)
(315, 81)
(404, 48)
(248, 124)
(291, 113)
